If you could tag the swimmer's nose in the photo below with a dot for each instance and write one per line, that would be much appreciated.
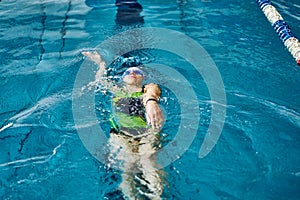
(132, 72)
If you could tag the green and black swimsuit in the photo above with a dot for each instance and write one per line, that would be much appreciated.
(129, 115)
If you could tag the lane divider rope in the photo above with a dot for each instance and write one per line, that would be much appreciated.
(281, 28)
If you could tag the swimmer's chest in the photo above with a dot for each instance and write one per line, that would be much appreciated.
(130, 104)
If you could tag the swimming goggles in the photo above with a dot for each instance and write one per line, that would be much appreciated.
(136, 71)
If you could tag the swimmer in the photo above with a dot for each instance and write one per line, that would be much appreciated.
(134, 137)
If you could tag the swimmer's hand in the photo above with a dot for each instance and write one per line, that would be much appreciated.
(154, 115)
(96, 57)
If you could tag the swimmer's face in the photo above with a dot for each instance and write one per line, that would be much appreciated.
(133, 76)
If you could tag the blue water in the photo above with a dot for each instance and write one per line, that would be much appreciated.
(42, 156)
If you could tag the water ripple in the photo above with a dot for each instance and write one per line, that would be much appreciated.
(40, 109)
(291, 115)
(31, 160)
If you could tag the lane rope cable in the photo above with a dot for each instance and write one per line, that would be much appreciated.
(281, 28)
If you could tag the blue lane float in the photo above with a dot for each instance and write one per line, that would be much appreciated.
(281, 28)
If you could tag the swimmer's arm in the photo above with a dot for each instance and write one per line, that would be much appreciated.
(154, 114)
(100, 75)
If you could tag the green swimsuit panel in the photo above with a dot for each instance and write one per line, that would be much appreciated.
(129, 113)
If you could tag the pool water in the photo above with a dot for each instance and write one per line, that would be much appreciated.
(257, 154)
